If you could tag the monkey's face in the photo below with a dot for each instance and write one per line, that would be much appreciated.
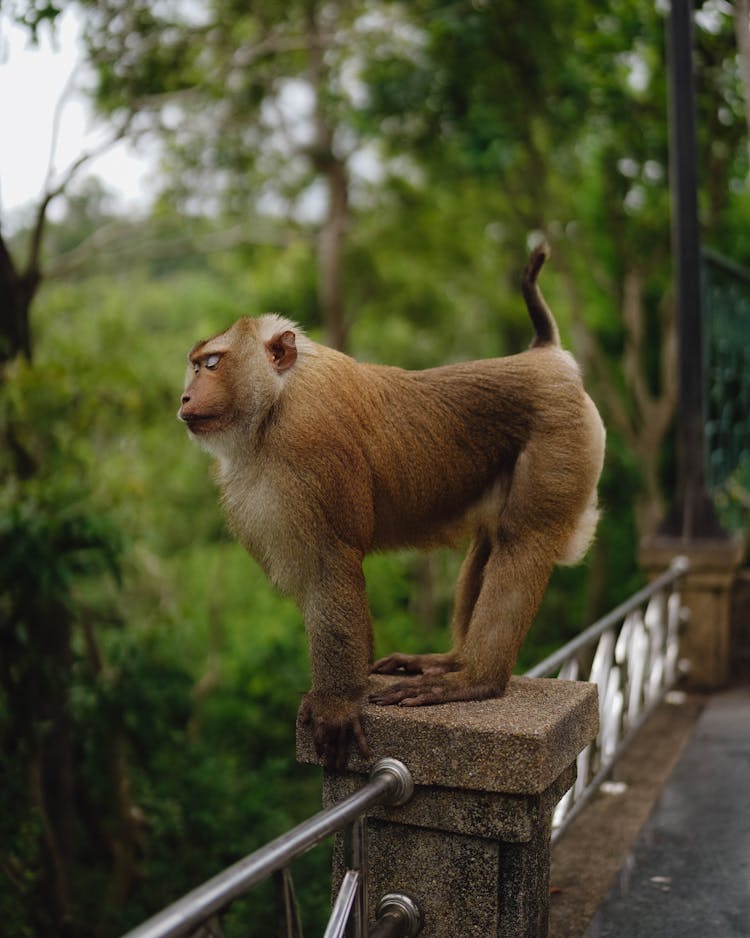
(205, 405)
(233, 379)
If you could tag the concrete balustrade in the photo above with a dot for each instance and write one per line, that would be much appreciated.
(471, 847)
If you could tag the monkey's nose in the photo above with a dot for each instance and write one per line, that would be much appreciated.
(185, 398)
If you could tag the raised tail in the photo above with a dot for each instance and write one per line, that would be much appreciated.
(541, 315)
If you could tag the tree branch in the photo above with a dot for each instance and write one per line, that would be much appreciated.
(51, 192)
(55, 134)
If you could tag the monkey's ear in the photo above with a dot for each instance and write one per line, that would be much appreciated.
(282, 350)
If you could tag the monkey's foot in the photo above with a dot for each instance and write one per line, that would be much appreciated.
(416, 664)
(434, 689)
(335, 723)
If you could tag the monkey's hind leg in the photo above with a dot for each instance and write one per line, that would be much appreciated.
(467, 590)
(424, 669)
(513, 581)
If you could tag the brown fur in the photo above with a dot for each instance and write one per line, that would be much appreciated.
(322, 459)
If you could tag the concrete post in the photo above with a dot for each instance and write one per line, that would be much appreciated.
(740, 638)
(707, 593)
(472, 846)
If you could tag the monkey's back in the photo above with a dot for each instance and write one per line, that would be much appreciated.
(434, 438)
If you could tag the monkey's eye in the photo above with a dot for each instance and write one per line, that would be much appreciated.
(212, 361)
(196, 368)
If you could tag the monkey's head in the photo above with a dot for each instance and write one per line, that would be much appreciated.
(234, 379)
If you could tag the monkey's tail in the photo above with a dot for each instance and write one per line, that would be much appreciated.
(541, 315)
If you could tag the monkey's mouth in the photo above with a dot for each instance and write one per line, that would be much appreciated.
(196, 423)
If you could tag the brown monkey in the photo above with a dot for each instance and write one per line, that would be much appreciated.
(321, 459)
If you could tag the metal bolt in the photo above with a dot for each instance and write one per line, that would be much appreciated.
(402, 785)
(402, 909)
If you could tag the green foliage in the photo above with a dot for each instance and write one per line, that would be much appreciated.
(34, 15)
(466, 103)
(49, 540)
(177, 728)
(429, 280)
(213, 776)
(149, 675)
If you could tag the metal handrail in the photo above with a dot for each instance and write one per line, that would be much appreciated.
(635, 662)
(390, 783)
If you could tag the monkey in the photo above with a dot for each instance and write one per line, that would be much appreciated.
(321, 459)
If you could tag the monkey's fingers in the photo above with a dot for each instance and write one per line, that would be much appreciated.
(321, 733)
(426, 696)
(402, 692)
(333, 742)
(416, 664)
(332, 737)
(339, 739)
(397, 662)
(427, 690)
(328, 745)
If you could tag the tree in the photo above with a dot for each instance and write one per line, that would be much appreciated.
(742, 30)
(106, 684)
(258, 106)
(570, 122)
(22, 261)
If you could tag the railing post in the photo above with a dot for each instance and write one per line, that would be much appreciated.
(471, 847)
(355, 837)
(706, 591)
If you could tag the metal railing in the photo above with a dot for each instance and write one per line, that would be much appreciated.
(397, 915)
(632, 654)
(726, 308)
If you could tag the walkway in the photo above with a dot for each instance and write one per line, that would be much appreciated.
(688, 875)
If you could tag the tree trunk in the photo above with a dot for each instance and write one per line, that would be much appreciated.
(16, 293)
(333, 168)
(331, 241)
(742, 31)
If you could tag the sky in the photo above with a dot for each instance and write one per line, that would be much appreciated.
(32, 81)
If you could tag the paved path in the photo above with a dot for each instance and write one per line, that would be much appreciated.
(689, 873)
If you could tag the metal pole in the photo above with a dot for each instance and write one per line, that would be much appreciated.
(355, 839)
(343, 905)
(693, 514)
(390, 783)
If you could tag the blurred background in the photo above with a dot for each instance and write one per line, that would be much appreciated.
(378, 172)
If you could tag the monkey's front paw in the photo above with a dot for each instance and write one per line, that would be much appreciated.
(335, 721)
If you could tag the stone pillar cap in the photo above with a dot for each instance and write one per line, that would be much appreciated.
(703, 554)
(516, 744)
